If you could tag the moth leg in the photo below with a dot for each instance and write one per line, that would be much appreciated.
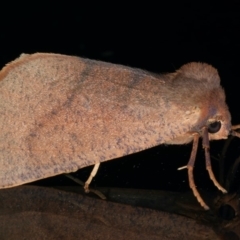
(208, 161)
(91, 176)
(78, 181)
(190, 166)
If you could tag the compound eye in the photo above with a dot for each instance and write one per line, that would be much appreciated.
(214, 127)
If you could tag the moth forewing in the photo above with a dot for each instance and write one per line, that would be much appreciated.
(60, 113)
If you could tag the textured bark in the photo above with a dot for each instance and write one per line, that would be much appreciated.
(29, 212)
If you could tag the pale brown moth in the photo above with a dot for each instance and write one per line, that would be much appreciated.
(61, 113)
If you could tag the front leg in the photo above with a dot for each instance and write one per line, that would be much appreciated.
(206, 147)
(190, 166)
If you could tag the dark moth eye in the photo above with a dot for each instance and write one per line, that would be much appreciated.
(214, 127)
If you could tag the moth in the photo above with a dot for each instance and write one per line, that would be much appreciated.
(61, 113)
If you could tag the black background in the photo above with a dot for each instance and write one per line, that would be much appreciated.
(157, 37)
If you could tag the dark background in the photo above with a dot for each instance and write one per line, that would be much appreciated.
(158, 38)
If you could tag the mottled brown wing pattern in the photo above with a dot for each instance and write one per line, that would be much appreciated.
(60, 113)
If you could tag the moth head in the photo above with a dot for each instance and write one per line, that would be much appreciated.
(210, 98)
(219, 120)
